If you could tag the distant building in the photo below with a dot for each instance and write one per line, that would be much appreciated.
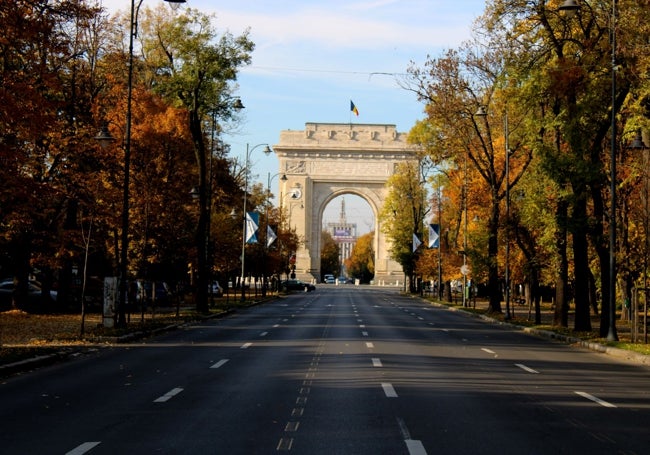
(344, 234)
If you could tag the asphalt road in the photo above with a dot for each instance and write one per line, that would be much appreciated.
(342, 370)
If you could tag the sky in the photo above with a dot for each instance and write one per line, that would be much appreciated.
(313, 57)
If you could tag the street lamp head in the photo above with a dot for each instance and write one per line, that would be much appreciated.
(637, 143)
(175, 1)
(284, 177)
(233, 214)
(195, 193)
(267, 150)
(104, 137)
(238, 105)
(569, 7)
(481, 112)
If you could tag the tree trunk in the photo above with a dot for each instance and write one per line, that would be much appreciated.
(202, 226)
(561, 315)
(581, 264)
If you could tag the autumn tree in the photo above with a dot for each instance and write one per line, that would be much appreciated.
(402, 215)
(454, 87)
(361, 263)
(198, 68)
(563, 82)
(329, 255)
(41, 130)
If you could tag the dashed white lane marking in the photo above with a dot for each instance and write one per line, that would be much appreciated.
(276, 326)
(246, 345)
(365, 334)
(420, 318)
(389, 391)
(489, 351)
(376, 362)
(403, 429)
(168, 395)
(362, 326)
(525, 368)
(596, 399)
(370, 345)
(263, 334)
(284, 444)
(220, 363)
(415, 447)
(83, 448)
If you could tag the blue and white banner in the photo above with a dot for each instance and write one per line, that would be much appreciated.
(270, 236)
(416, 242)
(434, 236)
(252, 225)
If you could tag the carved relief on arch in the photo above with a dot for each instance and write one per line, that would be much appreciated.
(296, 167)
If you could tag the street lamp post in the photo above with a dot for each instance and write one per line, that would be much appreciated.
(507, 234)
(464, 268)
(571, 7)
(439, 242)
(104, 137)
(249, 150)
(268, 203)
(481, 112)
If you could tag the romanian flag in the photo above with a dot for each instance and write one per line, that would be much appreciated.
(354, 109)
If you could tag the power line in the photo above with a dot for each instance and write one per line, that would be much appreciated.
(316, 70)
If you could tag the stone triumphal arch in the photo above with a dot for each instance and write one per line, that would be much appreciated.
(327, 160)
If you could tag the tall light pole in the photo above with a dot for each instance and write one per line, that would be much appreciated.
(104, 137)
(249, 150)
(268, 203)
(571, 7)
(439, 242)
(464, 268)
(507, 272)
(481, 112)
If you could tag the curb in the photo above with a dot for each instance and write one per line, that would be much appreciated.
(619, 353)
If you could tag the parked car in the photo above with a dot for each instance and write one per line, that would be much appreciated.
(297, 285)
(148, 291)
(34, 293)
